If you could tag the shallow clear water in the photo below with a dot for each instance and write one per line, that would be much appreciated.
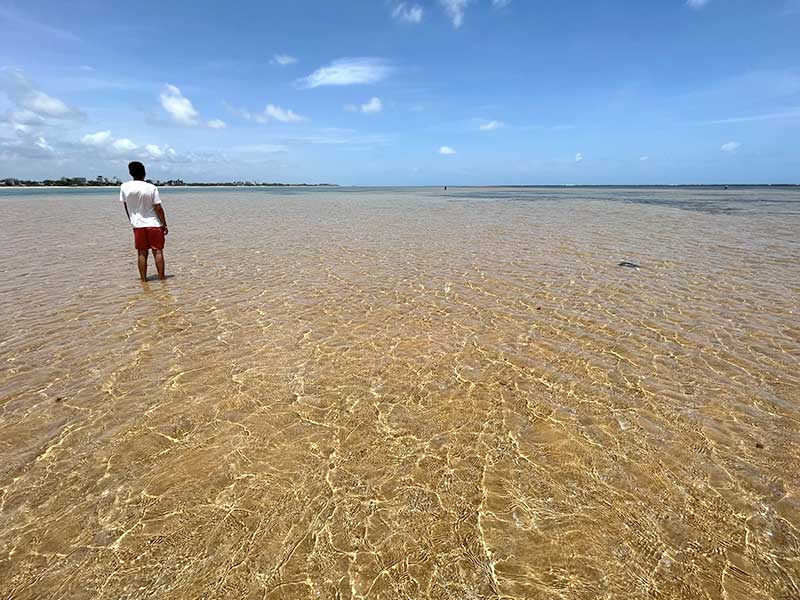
(403, 394)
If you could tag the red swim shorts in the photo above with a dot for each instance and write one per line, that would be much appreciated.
(147, 238)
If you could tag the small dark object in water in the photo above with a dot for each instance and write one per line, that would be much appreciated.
(538, 308)
(759, 445)
(628, 264)
(59, 399)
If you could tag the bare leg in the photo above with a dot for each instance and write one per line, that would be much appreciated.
(159, 256)
(142, 264)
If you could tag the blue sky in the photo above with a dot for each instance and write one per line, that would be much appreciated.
(423, 92)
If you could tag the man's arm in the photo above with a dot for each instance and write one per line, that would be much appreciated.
(162, 217)
(125, 204)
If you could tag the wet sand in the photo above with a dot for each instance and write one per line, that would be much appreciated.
(403, 394)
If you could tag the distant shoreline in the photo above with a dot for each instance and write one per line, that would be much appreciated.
(721, 186)
(116, 185)
(186, 185)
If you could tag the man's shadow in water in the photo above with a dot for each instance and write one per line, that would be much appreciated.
(155, 278)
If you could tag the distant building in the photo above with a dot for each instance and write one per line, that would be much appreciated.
(73, 181)
(11, 182)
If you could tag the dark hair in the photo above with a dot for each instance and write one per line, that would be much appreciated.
(136, 169)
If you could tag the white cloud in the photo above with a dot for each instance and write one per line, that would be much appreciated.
(373, 106)
(101, 138)
(100, 148)
(730, 147)
(45, 105)
(33, 101)
(408, 13)
(239, 112)
(348, 71)
(283, 60)
(644, 158)
(26, 148)
(163, 154)
(455, 10)
(105, 141)
(696, 4)
(491, 126)
(447, 150)
(178, 106)
(154, 151)
(270, 112)
(578, 157)
(500, 3)
(41, 143)
(216, 124)
(284, 116)
(160, 152)
(124, 145)
(26, 117)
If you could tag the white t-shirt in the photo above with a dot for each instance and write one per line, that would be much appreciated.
(140, 197)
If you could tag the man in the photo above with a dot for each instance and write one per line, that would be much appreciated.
(143, 207)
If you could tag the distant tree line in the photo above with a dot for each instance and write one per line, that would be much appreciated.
(105, 181)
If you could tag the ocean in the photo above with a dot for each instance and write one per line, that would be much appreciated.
(403, 393)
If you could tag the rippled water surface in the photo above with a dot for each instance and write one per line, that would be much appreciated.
(403, 394)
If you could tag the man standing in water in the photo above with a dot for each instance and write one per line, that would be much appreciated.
(143, 207)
